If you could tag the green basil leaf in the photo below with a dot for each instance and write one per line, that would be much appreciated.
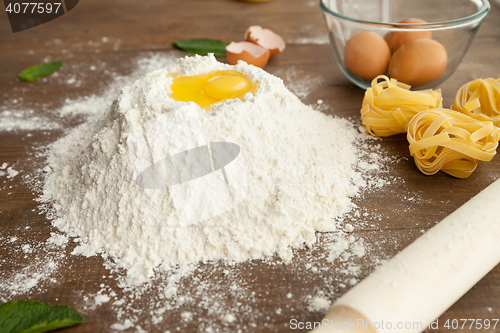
(202, 46)
(35, 317)
(34, 72)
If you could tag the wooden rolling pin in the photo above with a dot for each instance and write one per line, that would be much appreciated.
(421, 282)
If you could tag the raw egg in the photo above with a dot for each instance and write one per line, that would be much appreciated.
(210, 88)
(418, 62)
(265, 38)
(250, 53)
(366, 55)
(397, 38)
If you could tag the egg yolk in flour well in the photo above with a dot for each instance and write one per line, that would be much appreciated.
(210, 88)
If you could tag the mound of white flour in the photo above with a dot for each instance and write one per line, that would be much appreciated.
(300, 174)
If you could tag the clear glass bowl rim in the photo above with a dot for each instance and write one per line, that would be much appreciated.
(421, 26)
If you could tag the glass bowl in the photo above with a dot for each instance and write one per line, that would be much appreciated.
(452, 23)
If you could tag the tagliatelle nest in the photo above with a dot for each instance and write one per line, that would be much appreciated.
(389, 105)
(450, 141)
(480, 99)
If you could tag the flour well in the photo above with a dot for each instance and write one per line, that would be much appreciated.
(300, 169)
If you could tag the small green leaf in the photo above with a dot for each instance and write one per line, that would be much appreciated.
(202, 46)
(35, 317)
(34, 72)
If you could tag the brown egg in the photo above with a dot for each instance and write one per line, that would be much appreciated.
(397, 38)
(250, 53)
(265, 38)
(418, 62)
(366, 55)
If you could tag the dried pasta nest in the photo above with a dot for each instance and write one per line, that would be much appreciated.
(480, 99)
(451, 141)
(389, 105)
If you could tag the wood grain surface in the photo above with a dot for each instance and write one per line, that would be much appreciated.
(395, 215)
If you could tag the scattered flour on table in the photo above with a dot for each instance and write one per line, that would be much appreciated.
(57, 239)
(11, 173)
(122, 326)
(13, 119)
(311, 40)
(14, 116)
(99, 299)
(298, 82)
(41, 264)
(319, 304)
(8, 172)
(292, 197)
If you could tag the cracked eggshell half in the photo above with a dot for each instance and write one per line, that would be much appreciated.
(250, 53)
(266, 38)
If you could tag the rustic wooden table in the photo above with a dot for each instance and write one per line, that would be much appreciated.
(411, 204)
